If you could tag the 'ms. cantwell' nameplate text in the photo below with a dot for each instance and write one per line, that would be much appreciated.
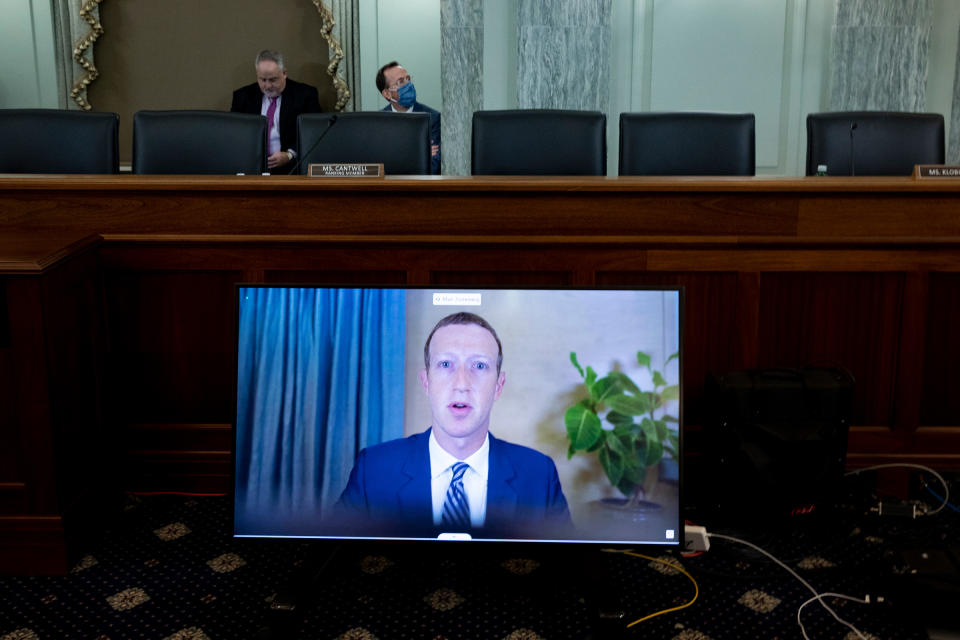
(344, 170)
(937, 171)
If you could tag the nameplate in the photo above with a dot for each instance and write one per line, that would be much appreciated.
(344, 170)
(943, 171)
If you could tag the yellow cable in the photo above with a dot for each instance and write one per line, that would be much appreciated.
(679, 568)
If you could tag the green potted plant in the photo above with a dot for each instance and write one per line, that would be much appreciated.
(625, 426)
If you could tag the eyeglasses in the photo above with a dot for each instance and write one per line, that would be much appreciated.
(400, 82)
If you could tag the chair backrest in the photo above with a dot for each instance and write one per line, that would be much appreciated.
(199, 142)
(401, 142)
(687, 144)
(884, 143)
(58, 141)
(539, 142)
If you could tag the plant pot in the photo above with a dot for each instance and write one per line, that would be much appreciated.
(615, 520)
(620, 510)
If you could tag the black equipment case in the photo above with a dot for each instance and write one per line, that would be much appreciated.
(776, 440)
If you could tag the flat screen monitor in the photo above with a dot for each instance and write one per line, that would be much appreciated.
(459, 414)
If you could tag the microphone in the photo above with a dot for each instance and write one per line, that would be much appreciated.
(332, 121)
(853, 170)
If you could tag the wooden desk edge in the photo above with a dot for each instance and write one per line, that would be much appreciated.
(772, 184)
(49, 253)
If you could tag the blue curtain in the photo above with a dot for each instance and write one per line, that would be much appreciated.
(319, 377)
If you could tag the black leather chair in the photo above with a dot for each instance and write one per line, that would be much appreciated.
(401, 142)
(884, 143)
(199, 142)
(687, 144)
(58, 141)
(539, 142)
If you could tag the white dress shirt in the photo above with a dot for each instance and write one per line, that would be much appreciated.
(474, 479)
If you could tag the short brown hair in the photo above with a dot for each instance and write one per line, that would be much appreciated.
(381, 78)
(462, 317)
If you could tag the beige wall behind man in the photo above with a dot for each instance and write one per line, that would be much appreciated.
(184, 54)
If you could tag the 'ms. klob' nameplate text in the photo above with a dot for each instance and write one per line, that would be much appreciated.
(345, 170)
(936, 171)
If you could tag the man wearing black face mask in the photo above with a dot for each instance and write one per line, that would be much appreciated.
(395, 85)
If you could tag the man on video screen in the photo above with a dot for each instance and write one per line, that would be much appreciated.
(456, 477)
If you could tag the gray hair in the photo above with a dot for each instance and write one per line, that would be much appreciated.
(269, 55)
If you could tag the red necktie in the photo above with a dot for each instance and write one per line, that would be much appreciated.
(271, 110)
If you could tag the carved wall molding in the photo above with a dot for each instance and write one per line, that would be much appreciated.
(336, 54)
(90, 15)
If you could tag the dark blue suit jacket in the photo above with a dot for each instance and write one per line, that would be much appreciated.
(419, 107)
(389, 492)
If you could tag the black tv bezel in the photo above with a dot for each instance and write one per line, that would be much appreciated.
(471, 543)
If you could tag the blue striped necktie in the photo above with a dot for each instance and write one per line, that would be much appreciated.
(456, 509)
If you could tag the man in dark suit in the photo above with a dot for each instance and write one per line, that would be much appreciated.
(395, 85)
(456, 477)
(281, 100)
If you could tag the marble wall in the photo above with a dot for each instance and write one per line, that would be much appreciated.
(564, 54)
(880, 55)
(461, 74)
(953, 144)
(28, 50)
(872, 54)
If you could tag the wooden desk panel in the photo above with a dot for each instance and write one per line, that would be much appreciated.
(56, 455)
(604, 209)
(862, 273)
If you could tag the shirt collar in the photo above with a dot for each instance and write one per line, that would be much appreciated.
(441, 461)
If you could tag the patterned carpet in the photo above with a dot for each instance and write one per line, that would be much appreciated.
(168, 568)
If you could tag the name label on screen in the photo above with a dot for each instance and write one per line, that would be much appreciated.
(936, 171)
(345, 170)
